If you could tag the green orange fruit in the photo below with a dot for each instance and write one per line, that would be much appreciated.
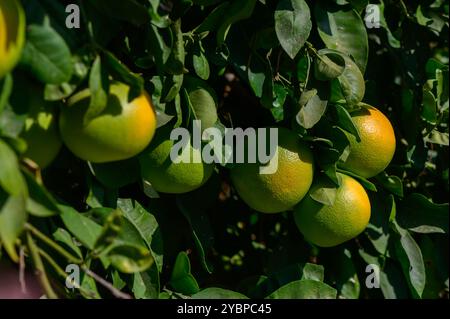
(281, 191)
(375, 151)
(41, 131)
(331, 225)
(122, 130)
(12, 34)
(165, 175)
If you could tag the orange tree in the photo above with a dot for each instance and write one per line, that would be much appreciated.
(357, 209)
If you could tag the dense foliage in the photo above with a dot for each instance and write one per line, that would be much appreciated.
(265, 63)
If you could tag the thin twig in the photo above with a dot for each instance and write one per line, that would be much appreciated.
(116, 292)
(22, 281)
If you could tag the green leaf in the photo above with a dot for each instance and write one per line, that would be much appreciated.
(112, 227)
(304, 289)
(213, 20)
(323, 195)
(392, 283)
(293, 272)
(442, 77)
(99, 88)
(175, 62)
(47, 55)
(350, 84)
(341, 28)
(146, 284)
(436, 270)
(218, 293)
(418, 214)
(200, 225)
(181, 279)
(347, 282)
(121, 72)
(346, 122)
(392, 183)
(160, 46)
(156, 19)
(313, 107)
(313, 272)
(364, 182)
(84, 229)
(393, 41)
(257, 72)
(64, 237)
(11, 179)
(117, 280)
(436, 137)
(13, 217)
(171, 88)
(429, 107)
(57, 92)
(292, 25)
(378, 230)
(410, 257)
(328, 66)
(89, 286)
(129, 258)
(40, 202)
(238, 10)
(146, 224)
(200, 62)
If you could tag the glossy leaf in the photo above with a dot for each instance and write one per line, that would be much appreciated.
(99, 88)
(181, 279)
(304, 289)
(130, 259)
(147, 226)
(11, 179)
(342, 29)
(312, 109)
(418, 214)
(13, 217)
(47, 56)
(292, 25)
(83, 228)
(328, 66)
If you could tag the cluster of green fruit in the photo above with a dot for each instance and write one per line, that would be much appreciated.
(126, 129)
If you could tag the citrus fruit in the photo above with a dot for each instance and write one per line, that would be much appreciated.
(346, 218)
(167, 176)
(281, 191)
(122, 130)
(41, 131)
(376, 149)
(12, 34)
